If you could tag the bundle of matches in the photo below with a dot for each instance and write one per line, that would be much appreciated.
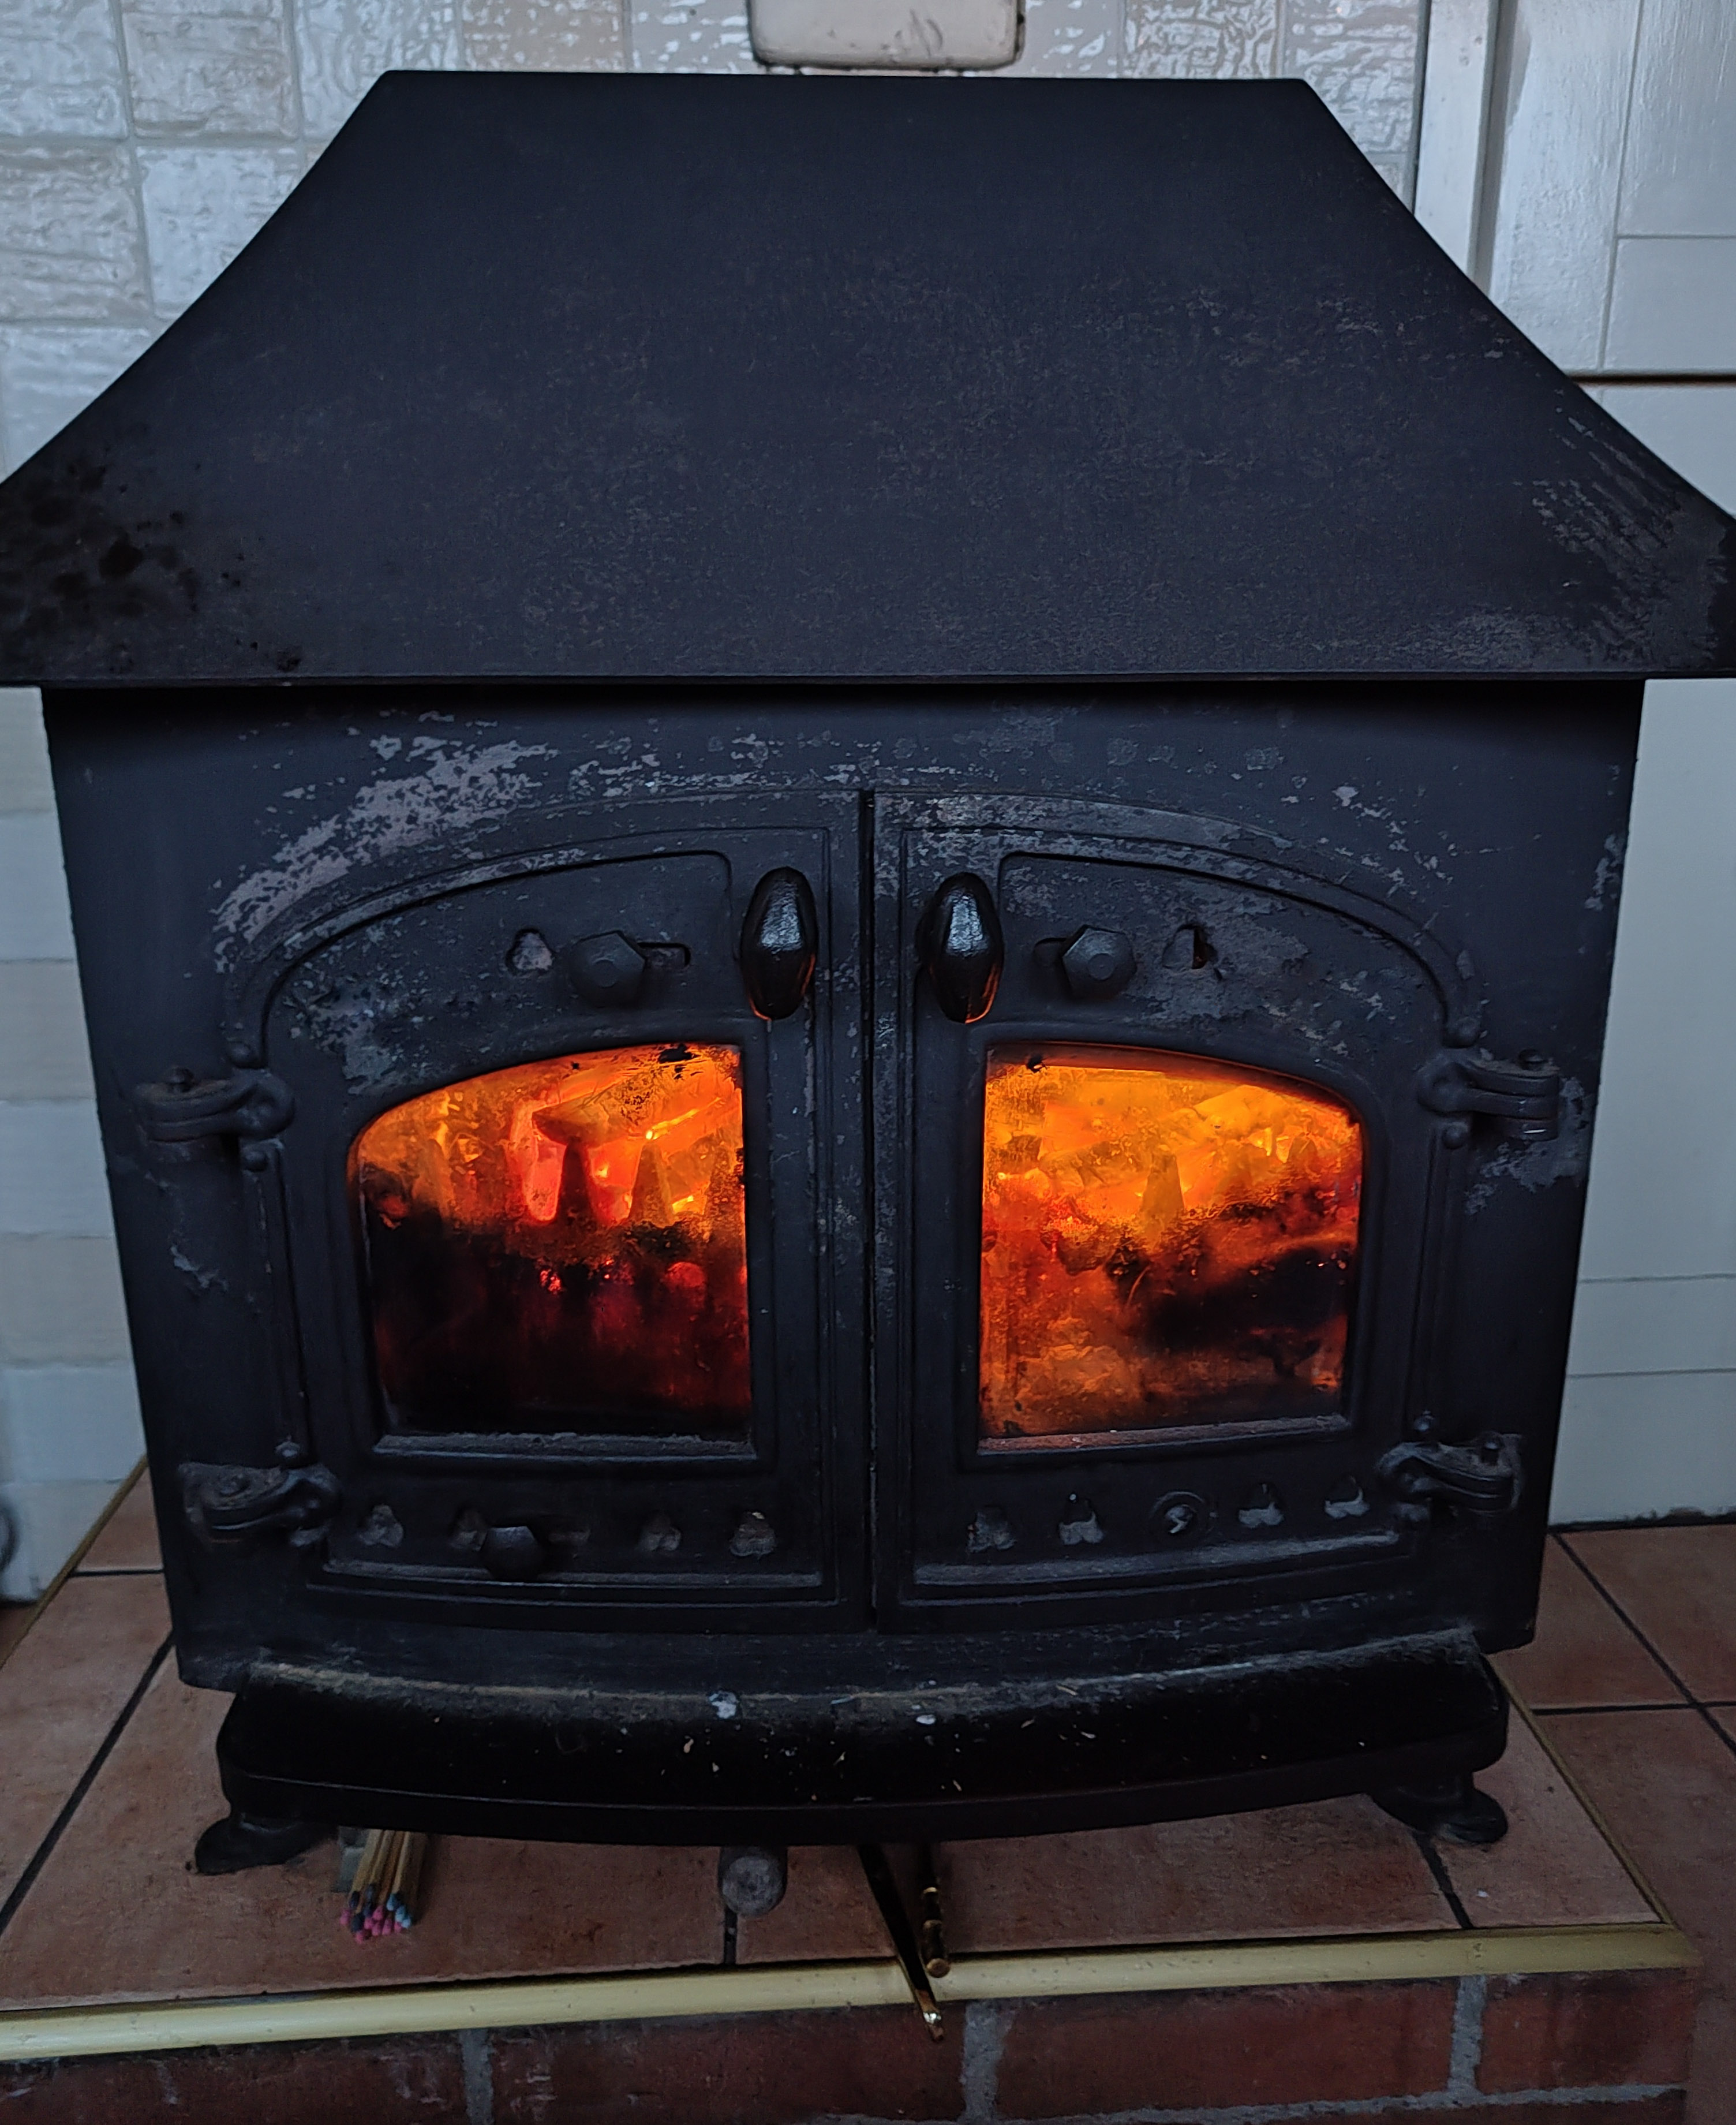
(383, 1897)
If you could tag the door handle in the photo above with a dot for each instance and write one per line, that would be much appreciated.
(780, 944)
(962, 947)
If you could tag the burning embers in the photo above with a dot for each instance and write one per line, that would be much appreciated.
(562, 1247)
(1165, 1242)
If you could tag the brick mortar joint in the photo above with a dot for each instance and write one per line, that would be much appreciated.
(986, 2025)
(1375, 2106)
(1466, 2053)
(475, 2055)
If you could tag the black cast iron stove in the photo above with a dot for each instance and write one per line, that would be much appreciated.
(845, 855)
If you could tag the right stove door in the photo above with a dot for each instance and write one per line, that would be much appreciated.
(1164, 1225)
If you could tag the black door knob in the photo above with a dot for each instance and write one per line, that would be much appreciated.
(962, 949)
(606, 969)
(780, 942)
(514, 1552)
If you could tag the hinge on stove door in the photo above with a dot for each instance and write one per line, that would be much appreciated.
(232, 1504)
(1482, 1476)
(182, 1108)
(1523, 1098)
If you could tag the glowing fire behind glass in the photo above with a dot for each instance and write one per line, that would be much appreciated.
(562, 1247)
(1166, 1240)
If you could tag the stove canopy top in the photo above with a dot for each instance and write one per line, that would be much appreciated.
(681, 377)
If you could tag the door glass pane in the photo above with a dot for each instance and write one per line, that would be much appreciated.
(1166, 1240)
(562, 1247)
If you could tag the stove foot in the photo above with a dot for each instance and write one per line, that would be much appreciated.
(751, 1878)
(1453, 1808)
(237, 1842)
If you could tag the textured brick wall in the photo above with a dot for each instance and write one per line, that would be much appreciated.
(1576, 2050)
(141, 145)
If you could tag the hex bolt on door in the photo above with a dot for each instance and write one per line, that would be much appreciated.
(607, 969)
(1098, 964)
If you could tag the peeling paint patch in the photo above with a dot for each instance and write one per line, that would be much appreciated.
(460, 788)
(1608, 878)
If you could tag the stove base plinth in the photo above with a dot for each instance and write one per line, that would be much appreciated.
(1088, 1742)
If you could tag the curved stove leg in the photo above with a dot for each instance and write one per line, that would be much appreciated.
(237, 1842)
(1453, 1808)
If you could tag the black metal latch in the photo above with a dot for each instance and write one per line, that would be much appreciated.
(1482, 1476)
(1523, 1097)
(960, 943)
(230, 1504)
(780, 943)
(183, 1108)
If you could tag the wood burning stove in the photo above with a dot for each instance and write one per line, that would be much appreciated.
(846, 936)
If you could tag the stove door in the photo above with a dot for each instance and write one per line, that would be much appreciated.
(1152, 1169)
(563, 1133)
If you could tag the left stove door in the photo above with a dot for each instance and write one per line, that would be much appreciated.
(573, 1328)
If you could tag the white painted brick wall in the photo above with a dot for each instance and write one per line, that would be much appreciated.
(141, 146)
(69, 1425)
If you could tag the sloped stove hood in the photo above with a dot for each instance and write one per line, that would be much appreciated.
(684, 378)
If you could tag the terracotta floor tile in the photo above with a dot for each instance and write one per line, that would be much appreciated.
(129, 1542)
(1553, 1867)
(1666, 1783)
(1238, 1877)
(827, 1914)
(1584, 1653)
(492, 1909)
(1678, 1584)
(60, 1693)
(1338, 1866)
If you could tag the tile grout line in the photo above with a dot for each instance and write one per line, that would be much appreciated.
(1693, 1703)
(57, 1829)
(1436, 1866)
(1590, 1711)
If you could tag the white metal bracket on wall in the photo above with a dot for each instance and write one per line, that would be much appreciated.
(925, 34)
